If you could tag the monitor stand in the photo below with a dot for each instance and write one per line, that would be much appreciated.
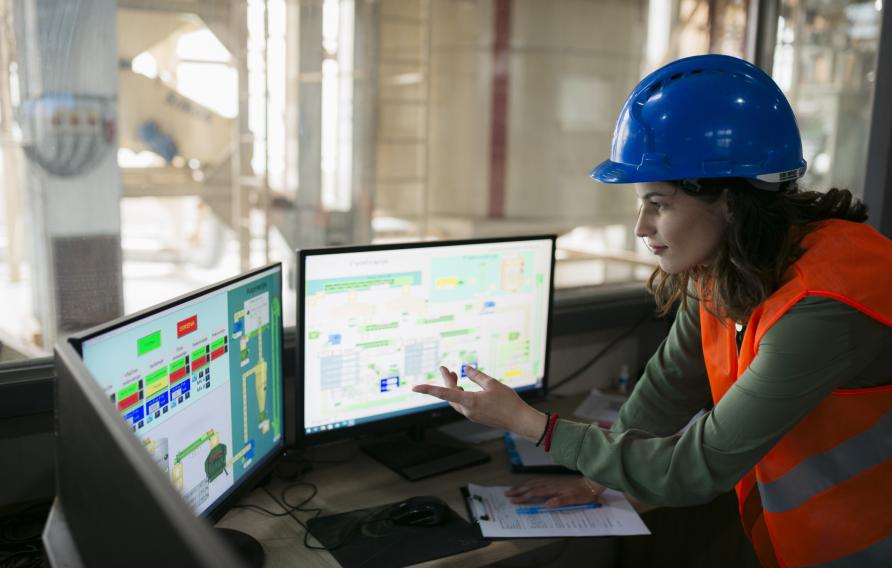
(246, 546)
(420, 453)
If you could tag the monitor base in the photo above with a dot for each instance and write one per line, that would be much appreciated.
(419, 454)
(246, 546)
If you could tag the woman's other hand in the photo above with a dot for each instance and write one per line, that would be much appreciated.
(556, 491)
(495, 405)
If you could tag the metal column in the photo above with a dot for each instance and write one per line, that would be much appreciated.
(878, 180)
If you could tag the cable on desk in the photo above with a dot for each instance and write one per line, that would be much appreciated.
(292, 509)
(263, 510)
(647, 315)
(316, 511)
(299, 507)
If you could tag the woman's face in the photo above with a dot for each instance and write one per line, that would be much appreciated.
(681, 230)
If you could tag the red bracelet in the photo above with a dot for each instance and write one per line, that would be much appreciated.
(552, 422)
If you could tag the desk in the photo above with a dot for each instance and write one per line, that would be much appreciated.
(359, 481)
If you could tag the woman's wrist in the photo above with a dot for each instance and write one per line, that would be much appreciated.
(533, 425)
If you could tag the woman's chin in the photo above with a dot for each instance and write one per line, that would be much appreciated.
(668, 267)
(671, 267)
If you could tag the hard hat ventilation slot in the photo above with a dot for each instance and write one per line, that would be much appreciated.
(676, 76)
(696, 71)
(655, 87)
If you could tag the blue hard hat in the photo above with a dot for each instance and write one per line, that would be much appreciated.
(704, 117)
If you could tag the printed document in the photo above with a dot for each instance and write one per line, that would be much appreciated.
(497, 517)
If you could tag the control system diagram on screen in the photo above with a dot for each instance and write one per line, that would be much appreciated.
(199, 385)
(377, 324)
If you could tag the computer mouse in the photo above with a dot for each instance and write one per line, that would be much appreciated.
(423, 511)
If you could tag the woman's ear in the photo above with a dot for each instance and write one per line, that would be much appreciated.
(725, 208)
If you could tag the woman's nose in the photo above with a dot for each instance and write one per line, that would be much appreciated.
(643, 226)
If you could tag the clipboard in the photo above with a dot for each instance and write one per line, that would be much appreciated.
(474, 514)
(516, 462)
(473, 505)
(490, 511)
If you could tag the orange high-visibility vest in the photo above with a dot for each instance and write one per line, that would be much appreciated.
(823, 494)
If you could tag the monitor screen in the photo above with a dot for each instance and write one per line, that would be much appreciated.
(378, 320)
(199, 381)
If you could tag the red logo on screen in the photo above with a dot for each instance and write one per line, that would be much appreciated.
(187, 326)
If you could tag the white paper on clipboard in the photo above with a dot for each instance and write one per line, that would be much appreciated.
(498, 518)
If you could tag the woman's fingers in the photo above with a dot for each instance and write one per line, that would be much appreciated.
(480, 378)
(560, 501)
(538, 492)
(527, 486)
(553, 492)
(449, 377)
(449, 395)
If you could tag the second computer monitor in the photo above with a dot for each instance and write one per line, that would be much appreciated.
(377, 320)
(199, 382)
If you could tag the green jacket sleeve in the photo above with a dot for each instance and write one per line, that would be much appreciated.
(818, 346)
(674, 385)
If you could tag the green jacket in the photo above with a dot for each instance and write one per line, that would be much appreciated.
(818, 346)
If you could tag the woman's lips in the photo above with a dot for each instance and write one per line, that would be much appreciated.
(658, 250)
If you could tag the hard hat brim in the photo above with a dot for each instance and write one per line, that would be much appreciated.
(609, 171)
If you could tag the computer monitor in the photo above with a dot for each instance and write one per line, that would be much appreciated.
(113, 504)
(374, 321)
(199, 382)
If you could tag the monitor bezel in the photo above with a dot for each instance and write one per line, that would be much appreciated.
(263, 466)
(429, 417)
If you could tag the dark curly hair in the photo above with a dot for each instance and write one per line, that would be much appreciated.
(763, 238)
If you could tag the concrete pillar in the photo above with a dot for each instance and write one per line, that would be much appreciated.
(310, 229)
(365, 87)
(68, 76)
(314, 224)
(242, 138)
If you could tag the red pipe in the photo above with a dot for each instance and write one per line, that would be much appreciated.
(498, 145)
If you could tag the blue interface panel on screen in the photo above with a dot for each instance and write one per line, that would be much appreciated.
(200, 384)
(377, 322)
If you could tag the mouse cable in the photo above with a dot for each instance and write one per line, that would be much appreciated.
(259, 509)
(575, 374)
(369, 518)
(289, 477)
(315, 511)
(290, 509)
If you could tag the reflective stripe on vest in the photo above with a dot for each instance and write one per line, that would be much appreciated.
(822, 471)
(880, 554)
(826, 486)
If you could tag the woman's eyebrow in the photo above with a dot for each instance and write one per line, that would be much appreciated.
(652, 194)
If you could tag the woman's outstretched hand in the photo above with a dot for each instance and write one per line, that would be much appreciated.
(496, 405)
(556, 491)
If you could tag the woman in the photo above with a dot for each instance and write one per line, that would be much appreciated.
(784, 324)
